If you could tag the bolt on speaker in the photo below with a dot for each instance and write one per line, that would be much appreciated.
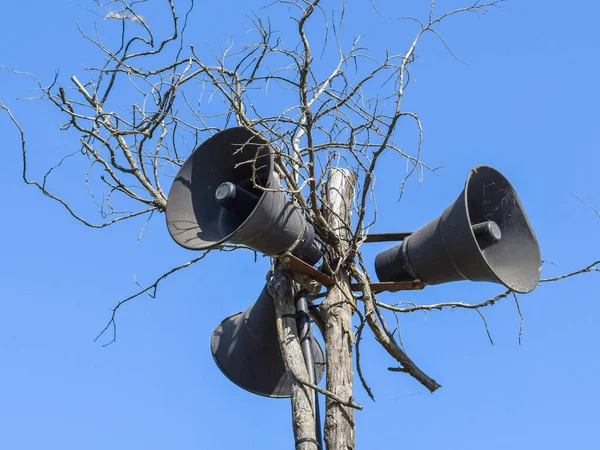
(484, 235)
(226, 191)
(246, 349)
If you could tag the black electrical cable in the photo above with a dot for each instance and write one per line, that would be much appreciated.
(317, 409)
(306, 337)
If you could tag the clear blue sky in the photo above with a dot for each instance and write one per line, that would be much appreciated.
(527, 104)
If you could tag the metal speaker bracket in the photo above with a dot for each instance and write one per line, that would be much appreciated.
(305, 269)
(386, 237)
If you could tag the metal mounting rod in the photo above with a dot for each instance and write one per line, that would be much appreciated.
(305, 335)
(391, 286)
(386, 237)
(305, 269)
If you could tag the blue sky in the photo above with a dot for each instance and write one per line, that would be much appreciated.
(526, 104)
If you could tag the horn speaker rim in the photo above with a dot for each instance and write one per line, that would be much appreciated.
(446, 249)
(523, 287)
(249, 135)
(319, 372)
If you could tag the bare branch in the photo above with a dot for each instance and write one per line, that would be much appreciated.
(451, 305)
(587, 204)
(149, 290)
(520, 315)
(590, 268)
(487, 330)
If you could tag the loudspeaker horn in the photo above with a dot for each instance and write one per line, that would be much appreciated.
(484, 235)
(246, 349)
(226, 191)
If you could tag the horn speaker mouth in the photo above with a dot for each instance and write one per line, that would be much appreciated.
(195, 218)
(484, 235)
(245, 347)
(227, 191)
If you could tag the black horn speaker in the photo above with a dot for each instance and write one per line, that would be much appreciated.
(226, 191)
(484, 235)
(246, 349)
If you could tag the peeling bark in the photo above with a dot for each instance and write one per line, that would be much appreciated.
(303, 422)
(337, 310)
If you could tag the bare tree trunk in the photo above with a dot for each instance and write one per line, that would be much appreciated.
(337, 310)
(303, 419)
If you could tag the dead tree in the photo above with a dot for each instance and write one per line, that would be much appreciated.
(153, 99)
